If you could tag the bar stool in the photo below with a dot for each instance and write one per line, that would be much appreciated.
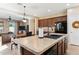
(12, 36)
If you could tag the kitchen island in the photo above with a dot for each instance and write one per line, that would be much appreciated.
(34, 45)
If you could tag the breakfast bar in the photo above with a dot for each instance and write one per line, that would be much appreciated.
(34, 45)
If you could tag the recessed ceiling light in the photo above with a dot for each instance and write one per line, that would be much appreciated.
(49, 10)
(67, 4)
(35, 15)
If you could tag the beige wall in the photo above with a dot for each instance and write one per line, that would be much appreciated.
(6, 26)
(36, 25)
(32, 25)
(72, 16)
(6, 29)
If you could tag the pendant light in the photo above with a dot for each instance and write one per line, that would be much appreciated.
(24, 16)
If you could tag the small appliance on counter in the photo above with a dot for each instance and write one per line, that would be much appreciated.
(40, 33)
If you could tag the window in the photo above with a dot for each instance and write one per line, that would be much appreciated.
(12, 27)
(1, 27)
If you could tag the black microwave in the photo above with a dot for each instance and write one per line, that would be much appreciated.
(61, 27)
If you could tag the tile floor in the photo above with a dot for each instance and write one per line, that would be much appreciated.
(5, 50)
(73, 50)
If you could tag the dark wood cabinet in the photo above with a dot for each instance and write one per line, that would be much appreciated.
(62, 47)
(61, 18)
(54, 49)
(45, 21)
(64, 18)
(51, 51)
(40, 23)
(25, 52)
(58, 49)
(51, 21)
(58, 19)
(28, 33)
(65, 45)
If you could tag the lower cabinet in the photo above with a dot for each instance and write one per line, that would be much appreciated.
(51, 51)
(25, 52)
(58, 49)
(65, 45)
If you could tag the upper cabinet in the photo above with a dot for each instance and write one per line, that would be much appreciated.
(61, 18)
(64, 18)
(45, 21)
(51, 21)
(40, 23)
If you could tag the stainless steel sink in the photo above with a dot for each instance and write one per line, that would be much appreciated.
(54, 36)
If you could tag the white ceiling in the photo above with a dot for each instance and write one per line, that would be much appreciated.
(15, 10)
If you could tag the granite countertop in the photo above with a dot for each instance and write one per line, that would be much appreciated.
(37, 45)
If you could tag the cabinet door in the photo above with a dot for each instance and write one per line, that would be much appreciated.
(45, 23)
(49, 22)
(58, 19)
(61, 18)
(65, 45)
(64, 18)
(25, 52)
(53, 21)
(60, 48)
(40, 23)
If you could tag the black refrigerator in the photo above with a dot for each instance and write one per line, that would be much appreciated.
(61, 27)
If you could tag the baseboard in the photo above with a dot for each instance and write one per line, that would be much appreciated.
(74, 45)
